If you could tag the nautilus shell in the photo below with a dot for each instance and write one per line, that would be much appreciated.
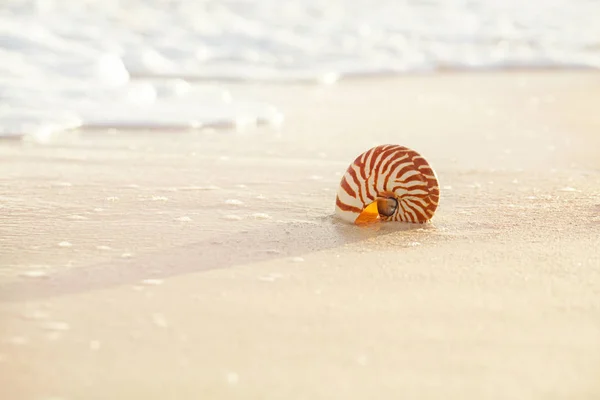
(388, 183)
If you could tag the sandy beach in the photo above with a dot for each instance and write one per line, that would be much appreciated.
(208, 265)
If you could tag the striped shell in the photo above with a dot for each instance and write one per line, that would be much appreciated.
(391, 182)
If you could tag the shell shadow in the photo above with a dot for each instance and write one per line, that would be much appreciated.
(277, 241)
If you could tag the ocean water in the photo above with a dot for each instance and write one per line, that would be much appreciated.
(161, 64)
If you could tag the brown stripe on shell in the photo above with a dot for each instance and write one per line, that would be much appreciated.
(346, 207)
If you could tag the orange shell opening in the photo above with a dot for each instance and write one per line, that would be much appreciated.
(369, 215)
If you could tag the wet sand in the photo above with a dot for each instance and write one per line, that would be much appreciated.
(207, 264)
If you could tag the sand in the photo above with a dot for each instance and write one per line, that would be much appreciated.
(207, 265)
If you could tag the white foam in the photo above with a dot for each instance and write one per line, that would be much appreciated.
(34, 274)
(65, 66)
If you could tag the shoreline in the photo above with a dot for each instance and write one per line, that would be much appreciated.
(315, 83)
(358, 76)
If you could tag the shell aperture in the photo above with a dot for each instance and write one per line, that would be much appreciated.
(388, 183)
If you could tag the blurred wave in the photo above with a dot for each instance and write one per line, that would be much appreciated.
(157, 63)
